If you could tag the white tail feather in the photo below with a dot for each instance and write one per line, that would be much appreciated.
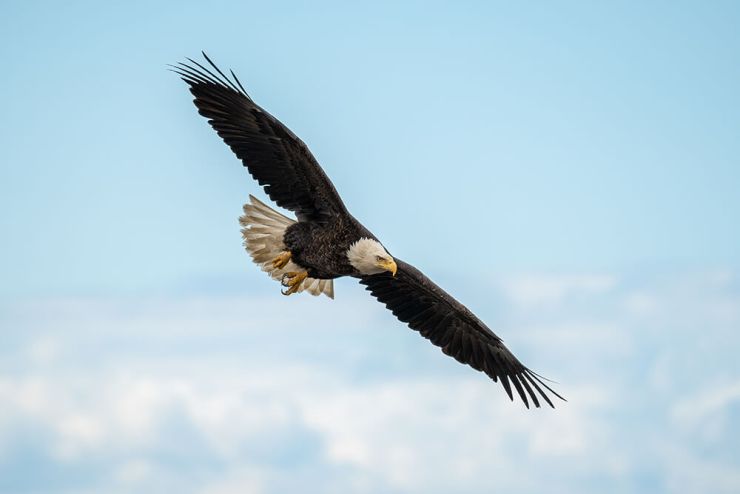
(262, 230)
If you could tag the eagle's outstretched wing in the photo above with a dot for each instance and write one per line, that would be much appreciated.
(425, 307)
(274, 156)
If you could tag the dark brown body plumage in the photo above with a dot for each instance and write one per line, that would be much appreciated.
(321, 248)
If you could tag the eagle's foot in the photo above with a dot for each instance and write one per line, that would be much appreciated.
(292, 281)
(280, 261)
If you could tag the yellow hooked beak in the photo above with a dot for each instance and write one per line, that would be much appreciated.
(389, 266)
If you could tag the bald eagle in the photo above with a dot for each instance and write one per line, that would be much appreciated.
(325, 241)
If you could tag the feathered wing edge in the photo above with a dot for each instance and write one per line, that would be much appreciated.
(271, 152)
(429, 310)
(203, 75)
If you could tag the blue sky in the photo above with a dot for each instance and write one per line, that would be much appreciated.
(559, 137)
(570, 171)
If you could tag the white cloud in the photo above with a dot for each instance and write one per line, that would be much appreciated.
(228, 394)
(534, 290)
(237, 481)
(134, 472)
(704, 406)
(44, 350)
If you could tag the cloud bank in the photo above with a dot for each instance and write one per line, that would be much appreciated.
(236, 393)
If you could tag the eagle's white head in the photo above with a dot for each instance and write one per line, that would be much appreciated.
(368, 256)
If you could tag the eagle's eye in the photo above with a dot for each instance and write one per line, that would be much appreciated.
(378, 258)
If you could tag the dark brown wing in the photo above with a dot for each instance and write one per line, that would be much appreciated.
(425, 307)
(274, 156)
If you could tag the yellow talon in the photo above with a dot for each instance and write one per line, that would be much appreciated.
(280, 261)
(292, 281)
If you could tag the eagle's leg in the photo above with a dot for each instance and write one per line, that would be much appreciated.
(292, 281)
(280, 261)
